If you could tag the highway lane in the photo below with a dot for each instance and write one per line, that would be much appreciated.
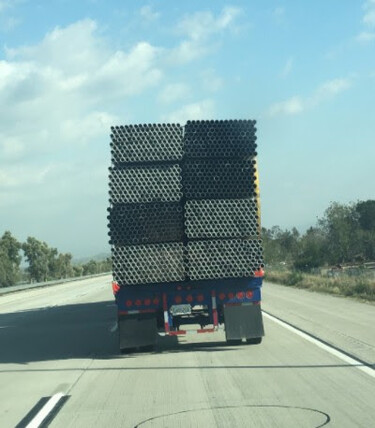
(342, 322)
(61, 339)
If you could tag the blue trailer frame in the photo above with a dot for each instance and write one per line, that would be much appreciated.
(235, 301)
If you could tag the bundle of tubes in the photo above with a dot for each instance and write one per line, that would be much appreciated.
(221, 210)
(146, 143)
(221, 218)
(220, 138)
(148, 264)
(146, 225)
(184, 202)
(219, 258)
(154, 222)
(138, 184)
(219, 178)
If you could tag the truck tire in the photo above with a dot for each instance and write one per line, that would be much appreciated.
(254, 341)
(234, 342)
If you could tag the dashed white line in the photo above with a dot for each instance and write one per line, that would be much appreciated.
(352, 361)
(45, 410)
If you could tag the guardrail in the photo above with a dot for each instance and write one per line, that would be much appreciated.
(21, 287)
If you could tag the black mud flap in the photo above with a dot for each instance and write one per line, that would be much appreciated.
(136, 332)
(243, 322)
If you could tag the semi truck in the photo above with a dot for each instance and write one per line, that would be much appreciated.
(184, 227)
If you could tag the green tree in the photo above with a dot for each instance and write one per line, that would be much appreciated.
(366, 233)
(311, 250)
(340, 226)
(65, 266)
(10, 260)
(38, 257)
(366, 214)
(77, 270)
(279, 245)
(90, 268)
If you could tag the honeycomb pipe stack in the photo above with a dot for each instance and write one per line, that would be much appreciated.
(184, 202)
(221, 210)
(145, 216)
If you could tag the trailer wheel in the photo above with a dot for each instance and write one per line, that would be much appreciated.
(254, 341)
(234, 342)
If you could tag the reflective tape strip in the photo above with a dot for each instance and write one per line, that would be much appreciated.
(166, 316)
(214, 309)
(187, 332)
(140, 311)
(242, 304)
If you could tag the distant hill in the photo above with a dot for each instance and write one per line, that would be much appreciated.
(97, 258)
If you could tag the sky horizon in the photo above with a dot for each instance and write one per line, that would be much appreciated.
(69, 71)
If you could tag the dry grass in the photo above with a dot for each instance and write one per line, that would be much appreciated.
(360, 286)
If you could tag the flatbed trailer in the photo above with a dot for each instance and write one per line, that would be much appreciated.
(144, 312)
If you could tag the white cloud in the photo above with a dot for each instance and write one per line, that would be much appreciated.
(287, 68)
(368, 21)
(85, 129)
(60, 96)
(369, 16)
(324, 92)
(201, 25)
(332, 87)
(4, 4)
(199, 29)
(187, 51)
(173, 92)
(148, 13)
(89, 74)
(197, 110)
(365, 36)
(291, 106)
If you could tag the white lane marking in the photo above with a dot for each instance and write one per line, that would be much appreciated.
(45, 410)
(358, 364)
(113, 328)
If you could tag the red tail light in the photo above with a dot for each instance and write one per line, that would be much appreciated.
(115, 287)
(259, 273)
(240, 295)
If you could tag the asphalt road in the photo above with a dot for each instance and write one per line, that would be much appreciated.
(62, 339)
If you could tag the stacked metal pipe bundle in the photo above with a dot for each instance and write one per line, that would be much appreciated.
(219, 178)
(220, 138)
(154, 222)
(146, 226)
(156, 183)
(184, 207)
(147, 264)
(146, 143)
(221, 218)
(221, 210)
(230, 258)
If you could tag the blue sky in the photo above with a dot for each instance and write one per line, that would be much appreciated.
(69, 70)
